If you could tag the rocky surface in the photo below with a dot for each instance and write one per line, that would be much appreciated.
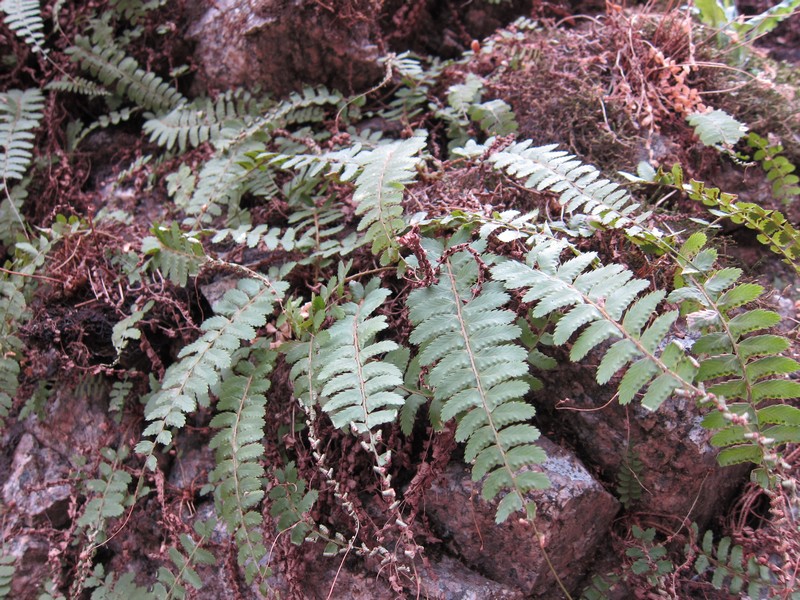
(573, 516)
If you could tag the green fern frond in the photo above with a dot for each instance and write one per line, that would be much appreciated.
(379, 193)
(7, 569)
(200, 121)
(20, 114)
(24, 17)
(172, 585)
(739, 361)
(187, 382)
(109, 494)
(119, 71)
(241, 413)
(730, 571)
(477, 371)
(608, 301)
(580, 186)
(717, 128)
(779, 170)
(77, 85)
(177, 254)
(358, 388)
(12, 223)
(12, 310)
(291, 503)
(494, 117)
(629, 486)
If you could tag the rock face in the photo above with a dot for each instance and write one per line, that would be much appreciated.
(573, 516)
(280, 45)
(680, 476)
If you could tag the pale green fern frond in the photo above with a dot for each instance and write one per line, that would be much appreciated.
(24, 17)
(291, 504)
(184, 557)
(359, 389)
(119, 71)
(580, 186)
(7, 569)
(241, 412)
(607, 300)
(477, 372)
(78, 85)
(176, 254)
(187, 382)
(12, 309)
(20, 114)
(109, 494)
(379, 193)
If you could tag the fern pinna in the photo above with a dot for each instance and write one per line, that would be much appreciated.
(238, 475)
(477, 373)
(741, 365)
(20, 113)
(607, 299)
(188, 381)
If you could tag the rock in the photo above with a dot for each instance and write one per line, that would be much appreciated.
(30, 568)
(573, 516)
(31, 487)
(281, 46)
(449, 579)
(679, 475)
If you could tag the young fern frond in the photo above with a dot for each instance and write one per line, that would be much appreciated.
(20, 114)
(730, 571)
(7, 569)
(359, 389)
(172, 585)
(291, 503)
(379, 193)
(580, 186)
(24, 17)
(119, 71)
(477, 372)
(187, 382)
(110, 495)
(77, 85)
(608, 300)
(241, 413)
(740, 364)
(177, 254)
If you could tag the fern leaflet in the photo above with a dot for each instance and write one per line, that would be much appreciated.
(477, 371)
(24, 17)
(188, 381)
(177, 254)
(241, 411)
(606, 299)
(20, 113)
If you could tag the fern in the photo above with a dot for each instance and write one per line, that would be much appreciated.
(6, 574)
(379, 193)
(110, 494)
(580, 187)
(716, 128)
(200, 121)
(12, 313)
(171, 585)
(729, 569)
(241, 412)
(187, 382)
(358, 389)
(771, 227)
(117, 70)
(77, 85)
(607, 299)
(291, 503)
(20, 114)
(777, 167)
(738, 360)
(477, 371)
(24, 18)
(629, 487)
(177, 254)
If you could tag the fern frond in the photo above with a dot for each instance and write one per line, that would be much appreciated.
(379, 193)
(7, 569)
(117, 70)
(24, 17)
(20, 114)
(717, 127)
(739, 362)
(730, 571)
(187, 382)
(12, 223)
(172, 585)
(608, 301)
(200, 121)
(78, 85)
(358, 389)
(291, 503)
(177, 254)
(477, 371)
(580, 186)
(12, 309)
(241, 412)
(109, 494)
